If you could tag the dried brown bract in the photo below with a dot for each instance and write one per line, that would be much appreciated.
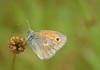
(17, 44)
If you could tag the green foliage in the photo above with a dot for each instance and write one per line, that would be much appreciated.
(79, 20)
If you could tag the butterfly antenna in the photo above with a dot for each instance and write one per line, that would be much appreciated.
(28, 24)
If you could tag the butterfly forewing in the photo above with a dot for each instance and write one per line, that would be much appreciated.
(62, 37)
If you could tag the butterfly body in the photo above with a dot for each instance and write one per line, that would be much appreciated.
(45, 43)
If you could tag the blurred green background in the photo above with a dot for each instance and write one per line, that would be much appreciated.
(79, 20)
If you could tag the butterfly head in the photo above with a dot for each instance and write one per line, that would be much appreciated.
(30, 35)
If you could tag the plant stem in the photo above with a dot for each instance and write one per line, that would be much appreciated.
(13, 61)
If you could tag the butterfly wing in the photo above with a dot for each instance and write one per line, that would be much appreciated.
(42, 45)
(54, 35)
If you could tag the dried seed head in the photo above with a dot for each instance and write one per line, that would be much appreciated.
(17, 44)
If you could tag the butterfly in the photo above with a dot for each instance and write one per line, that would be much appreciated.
(45, 43)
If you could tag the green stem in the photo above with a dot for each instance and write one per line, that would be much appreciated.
(13, 61)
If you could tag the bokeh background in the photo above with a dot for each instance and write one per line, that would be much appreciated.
(79, 20)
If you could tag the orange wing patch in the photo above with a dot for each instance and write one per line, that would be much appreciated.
(52, 35)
